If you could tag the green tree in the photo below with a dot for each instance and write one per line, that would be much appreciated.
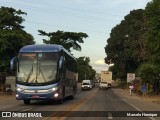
(12, 35)
(153, 26)
(150, 70)
(85, 71)
(68, 40)
(125, 46)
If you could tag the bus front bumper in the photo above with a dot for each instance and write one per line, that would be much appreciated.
(38, 96)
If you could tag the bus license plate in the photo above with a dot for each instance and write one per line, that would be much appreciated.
(35, 96)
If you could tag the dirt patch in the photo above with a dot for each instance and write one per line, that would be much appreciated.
(6, 96)
(156, 101)
(152, 98)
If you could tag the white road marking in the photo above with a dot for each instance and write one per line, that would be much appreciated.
(124, 100)
(137, 108)
(152, 118)
(26, 109)
(7, 107)
(110, 116)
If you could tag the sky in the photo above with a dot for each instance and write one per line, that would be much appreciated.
(96, 18)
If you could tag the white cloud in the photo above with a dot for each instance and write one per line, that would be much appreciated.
(99, 62)
(99, 66)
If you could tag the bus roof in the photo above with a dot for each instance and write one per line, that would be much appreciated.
(44, 48)
(41, 48)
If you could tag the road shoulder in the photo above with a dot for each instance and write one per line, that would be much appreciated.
(142, 103)
(5, 96)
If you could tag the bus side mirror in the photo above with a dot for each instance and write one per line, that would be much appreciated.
(61, 62)
(61, 66)
(13, 63)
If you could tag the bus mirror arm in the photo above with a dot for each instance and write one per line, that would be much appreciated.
(60, 63)
(61, 66)
(13, 61)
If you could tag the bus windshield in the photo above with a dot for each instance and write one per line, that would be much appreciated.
(37, 68)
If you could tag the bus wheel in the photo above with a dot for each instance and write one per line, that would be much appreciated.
(73, 93)
(72, 96)
(60, 101)
(26, 102)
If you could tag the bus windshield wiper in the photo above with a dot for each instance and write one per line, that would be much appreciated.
(43, 75)
(30, 73)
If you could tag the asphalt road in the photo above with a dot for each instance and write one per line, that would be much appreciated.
(111, 104)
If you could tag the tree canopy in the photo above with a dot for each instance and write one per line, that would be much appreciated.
(150, 70)
(12, 35)
(134, 44)
(68, 40)
(125, 46)
(85, 71)
(152, 14)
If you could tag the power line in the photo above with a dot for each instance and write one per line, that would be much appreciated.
(64, 13)
(60, 26)
(49, 11)
(48, 25)
(68, 8)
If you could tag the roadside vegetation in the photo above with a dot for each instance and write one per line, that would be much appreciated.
(134, 46)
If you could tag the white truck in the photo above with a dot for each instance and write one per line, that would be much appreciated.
(86, 85)
(106, 79)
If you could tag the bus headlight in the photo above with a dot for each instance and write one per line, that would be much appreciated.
(56, 95)
(53, 89)
(19, 89)
(17, 95)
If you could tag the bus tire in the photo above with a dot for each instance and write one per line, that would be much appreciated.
(71, 97)
(73, 94)
(26, 102)
(60, 101)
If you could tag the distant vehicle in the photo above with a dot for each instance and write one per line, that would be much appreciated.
(44, 72)
(106, 76)
(93, 83)
(103, 85)
(86, 85)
